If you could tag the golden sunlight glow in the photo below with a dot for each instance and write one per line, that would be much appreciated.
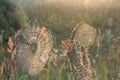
(86, 3)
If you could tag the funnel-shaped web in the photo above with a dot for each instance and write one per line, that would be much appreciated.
(33, 46)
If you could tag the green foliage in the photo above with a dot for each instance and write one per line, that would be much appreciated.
(12, 16)
(24, 77)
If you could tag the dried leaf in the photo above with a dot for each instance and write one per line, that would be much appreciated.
(9, 50)
(10, 43)
(67, 45)
(44, 33)
(118, 50)
(1, 68)
(14, 51)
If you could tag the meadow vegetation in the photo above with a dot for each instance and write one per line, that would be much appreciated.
(61, 18)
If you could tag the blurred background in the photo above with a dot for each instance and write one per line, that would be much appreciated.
(60, 16)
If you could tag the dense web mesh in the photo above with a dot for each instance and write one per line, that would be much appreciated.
(84, 34)
(33, 46)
